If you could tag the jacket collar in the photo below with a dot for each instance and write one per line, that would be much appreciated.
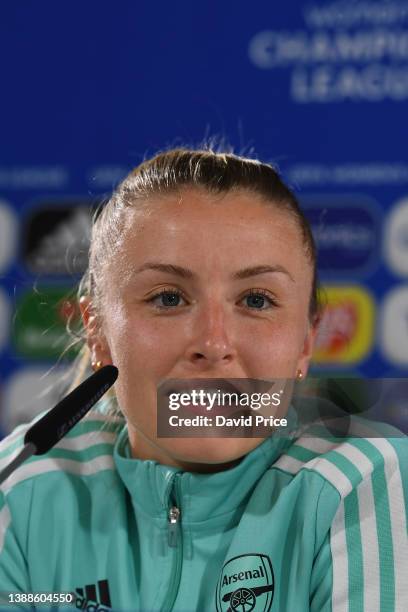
(199, 496)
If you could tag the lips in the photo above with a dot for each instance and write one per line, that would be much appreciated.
(209, 385)
(212, 385)
(214, 388)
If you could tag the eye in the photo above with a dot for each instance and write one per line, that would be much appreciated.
(166, 299)
(258, 299)
(169, 299)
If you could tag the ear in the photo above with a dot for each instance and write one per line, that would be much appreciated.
(95, 338)
(308, 346)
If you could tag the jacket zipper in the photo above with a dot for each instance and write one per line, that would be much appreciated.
(175, 541)
(173, 526)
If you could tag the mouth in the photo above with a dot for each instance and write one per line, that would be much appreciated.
(204, 395)
(209, 386)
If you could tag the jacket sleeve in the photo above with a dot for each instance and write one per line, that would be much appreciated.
(14, 576)
(321, 583)
(368, 537)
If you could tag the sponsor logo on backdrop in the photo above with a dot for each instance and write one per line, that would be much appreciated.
(27, 393)
(42, 315)
(5, 317)
(394, 326)
(396, 238)
(346, 331)
(56, 240)
(346, 231)
(246, 583)
(347, 50)
(8, 235)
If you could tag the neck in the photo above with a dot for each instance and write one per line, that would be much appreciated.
(143, 448)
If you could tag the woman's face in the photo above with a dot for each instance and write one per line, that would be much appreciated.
(201, 286)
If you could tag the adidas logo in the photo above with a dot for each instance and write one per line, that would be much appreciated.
(96, 597)
(60, 245)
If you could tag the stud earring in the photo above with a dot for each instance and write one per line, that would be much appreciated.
(299, 375)
(96, 365)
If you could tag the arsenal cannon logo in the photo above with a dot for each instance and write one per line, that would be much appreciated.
(246, 584)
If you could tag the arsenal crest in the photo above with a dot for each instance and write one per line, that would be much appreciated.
(246, 584)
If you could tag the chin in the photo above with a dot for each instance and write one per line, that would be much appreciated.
(212, 451)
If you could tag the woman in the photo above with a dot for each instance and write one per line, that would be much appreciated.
(203, 266)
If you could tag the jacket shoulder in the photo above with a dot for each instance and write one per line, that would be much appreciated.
(365, 522)
(85, 450)
(346, 462)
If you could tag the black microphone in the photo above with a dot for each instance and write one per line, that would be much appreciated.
(53, 426)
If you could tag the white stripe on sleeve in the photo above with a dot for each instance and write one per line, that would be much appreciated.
(398, 518)
(5, 520)
(338, 547)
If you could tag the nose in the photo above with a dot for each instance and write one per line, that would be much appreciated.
(211, 344)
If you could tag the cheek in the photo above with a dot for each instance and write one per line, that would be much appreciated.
(272, 349)
(144, 344)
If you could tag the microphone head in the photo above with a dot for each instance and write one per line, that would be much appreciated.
(53, 426)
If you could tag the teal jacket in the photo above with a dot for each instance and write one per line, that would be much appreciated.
(299, 524)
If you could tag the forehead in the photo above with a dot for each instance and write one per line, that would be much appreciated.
(218, 231)
(193, 210)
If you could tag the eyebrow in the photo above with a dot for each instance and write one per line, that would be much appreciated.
(189, 274)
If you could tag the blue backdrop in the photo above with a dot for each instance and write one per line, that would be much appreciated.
(90, 89)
